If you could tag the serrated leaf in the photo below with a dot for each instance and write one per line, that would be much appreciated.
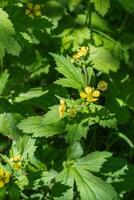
(32, 93)
(7, 32)
(103, 60)
(93, 162)
(24, 146)
(102, 6)
(74, 37)
(52, 115)
(88, 185)
(65, 178)
(3, 80)
(128, 5)
(73, 76)
(8, 122)
(92, 187)
(102, 116)
(74, 151)
(38, 127)
(76, 131)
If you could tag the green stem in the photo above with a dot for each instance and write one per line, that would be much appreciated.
(86, 75)
(123, 23)
(88, 17)
(127, 140)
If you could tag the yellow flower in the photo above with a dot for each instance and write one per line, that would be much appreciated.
(4, 177)
(16, 162)
(90, 94)
(81, 53)
(62, 108)
(33, 10)
(102, 85)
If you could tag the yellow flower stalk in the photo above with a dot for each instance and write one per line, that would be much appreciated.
(90, 94)
(81, 53)
(102, 85)
(62, 108)
(4, 177)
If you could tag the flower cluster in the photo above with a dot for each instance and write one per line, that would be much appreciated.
(81, 53)
(33, 10)
(16, 162)
(71, 112)
(4, 177)
(91, 94)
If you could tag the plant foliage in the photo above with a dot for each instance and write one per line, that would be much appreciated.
(66, 100)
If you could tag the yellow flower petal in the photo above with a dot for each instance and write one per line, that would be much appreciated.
(93, 99)
(27, 12)
(2, 184)
(89, 90)
(37, 13)
(62, 108)
(30, 6)
(2, 172)
(37, 7)
(83, 51)
(96, 93)
(83, 95)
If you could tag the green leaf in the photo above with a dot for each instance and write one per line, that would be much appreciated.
(52, 115)
(32, 93)
(24, 145)
(103, 60)
(128, 5)
(65, 178)
(93, 162)
(14, 192)
(2, 193)
(76, 131)
(39, 128)
(7, 32)
(92, 187)
(102, 116)
(88, 185)
(74, 151)
(73, 76)
(8, 122)
(74, 37)
(3, 80)
(102, 6)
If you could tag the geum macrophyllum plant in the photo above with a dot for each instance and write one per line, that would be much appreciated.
(62, 137)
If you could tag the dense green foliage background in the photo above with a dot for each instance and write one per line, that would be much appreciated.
(54, 144)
